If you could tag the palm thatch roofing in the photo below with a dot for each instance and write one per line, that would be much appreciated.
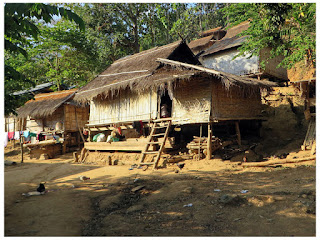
(45, 104)
(200, 42)
(211, 31)
(235, 30)
(130, 70)
(245, 84)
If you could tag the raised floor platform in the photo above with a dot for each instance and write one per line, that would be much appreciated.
(134, 144)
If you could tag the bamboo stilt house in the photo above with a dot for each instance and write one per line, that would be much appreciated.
(134, 88)
(55, 114)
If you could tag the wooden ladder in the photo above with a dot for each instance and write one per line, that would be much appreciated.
(151, 141)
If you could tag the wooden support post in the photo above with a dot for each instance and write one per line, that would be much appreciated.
(209, 142)
(64, 144)
(21, 146)
(14, 131)
(200, 142)
(21, 142)
(238, 133)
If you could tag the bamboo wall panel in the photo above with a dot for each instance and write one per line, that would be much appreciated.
(57, 116)
(75, 117)
(13, 124)
(34, 125)
(127, 106)
(233, 104)
(191, 102)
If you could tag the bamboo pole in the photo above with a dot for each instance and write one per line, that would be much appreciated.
(274, 162)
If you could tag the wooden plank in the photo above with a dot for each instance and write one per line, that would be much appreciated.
(116, 146)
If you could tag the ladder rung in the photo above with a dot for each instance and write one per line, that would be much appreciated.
(151, 152)
(161, 126)
(158, 134)
(148, 163)
(162, 120)
(154, 142)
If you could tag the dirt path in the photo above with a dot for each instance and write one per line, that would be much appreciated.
(203, 199)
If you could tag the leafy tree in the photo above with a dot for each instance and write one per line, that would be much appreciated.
(287, 28)
(20, 25)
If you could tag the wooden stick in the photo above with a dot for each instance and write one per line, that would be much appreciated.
(273, 162)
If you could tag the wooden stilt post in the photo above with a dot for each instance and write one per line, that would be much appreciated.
(64, 144)
(200, 142)
(14, 131)
(21, 142)
(209, 142)
(238, 133)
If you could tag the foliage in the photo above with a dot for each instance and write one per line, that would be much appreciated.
(287, 28)
(20, 26)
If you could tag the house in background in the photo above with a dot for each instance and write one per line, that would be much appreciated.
(208, 38)
(222, 54)
(54, 114)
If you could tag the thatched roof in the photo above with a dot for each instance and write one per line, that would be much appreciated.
(235, 30)
(210, 32)
(200, 42)
(129, 71)
(227, 79)
(45, 104)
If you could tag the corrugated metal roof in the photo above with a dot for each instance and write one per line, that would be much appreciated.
(36, 88)
(225, 44)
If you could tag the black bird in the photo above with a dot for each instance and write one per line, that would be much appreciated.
(180, 165)
(41, 188)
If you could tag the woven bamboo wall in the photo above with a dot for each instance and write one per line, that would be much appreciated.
(233, 105)
(34, 125)
(57, 116)
(75, 117)
(191, 102)
(127, 106)
(13, 124)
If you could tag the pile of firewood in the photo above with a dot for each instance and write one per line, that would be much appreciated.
(202, 144)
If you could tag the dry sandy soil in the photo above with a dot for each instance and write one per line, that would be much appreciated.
(203, 199)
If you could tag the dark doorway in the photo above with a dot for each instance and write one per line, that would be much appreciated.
(165, 105)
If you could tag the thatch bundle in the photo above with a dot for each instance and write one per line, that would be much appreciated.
(235, 30)
(200, 42)
(45, 104)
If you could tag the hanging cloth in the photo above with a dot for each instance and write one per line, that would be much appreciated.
(5, 139)
(16, 135)
(10, 135)
(26, 134)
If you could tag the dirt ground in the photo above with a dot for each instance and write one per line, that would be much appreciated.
(202, 199)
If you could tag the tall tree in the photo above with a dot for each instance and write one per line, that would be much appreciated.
(20, 25)
(287, 28)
